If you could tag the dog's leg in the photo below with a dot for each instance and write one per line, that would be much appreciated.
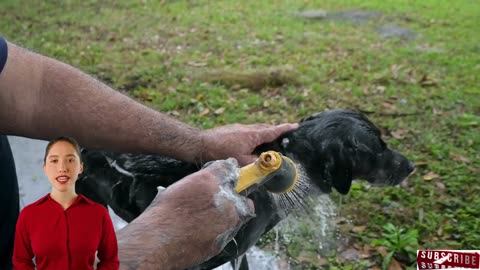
(240, 263)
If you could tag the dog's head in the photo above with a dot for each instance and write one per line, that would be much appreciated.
(339, 146)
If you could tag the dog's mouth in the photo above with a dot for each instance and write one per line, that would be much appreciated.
(386, 179)
(389, 179)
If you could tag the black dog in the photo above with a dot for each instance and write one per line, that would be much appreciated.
(332, 148)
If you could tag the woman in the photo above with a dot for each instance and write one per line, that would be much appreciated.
(64, 230)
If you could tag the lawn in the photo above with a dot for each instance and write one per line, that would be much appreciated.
(215, 62)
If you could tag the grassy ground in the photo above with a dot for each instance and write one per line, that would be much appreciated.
(423, 93)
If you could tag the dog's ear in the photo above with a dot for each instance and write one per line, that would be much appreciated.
(341, 172)
(342, 179)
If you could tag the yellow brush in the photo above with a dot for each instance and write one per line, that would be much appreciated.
(272, 170)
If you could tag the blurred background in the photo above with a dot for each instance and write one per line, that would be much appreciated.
(411, 66)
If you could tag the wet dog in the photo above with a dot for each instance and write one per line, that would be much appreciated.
(331, 149)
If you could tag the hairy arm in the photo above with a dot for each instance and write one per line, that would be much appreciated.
(43, 98)
(187, 223)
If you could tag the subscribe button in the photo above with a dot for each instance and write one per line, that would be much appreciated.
(448, 259)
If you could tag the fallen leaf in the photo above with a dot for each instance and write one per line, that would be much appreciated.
(405, 183)
(381, 89)
(306, 92)
(421, 163)
(340, 220)
(427, 81)
(174, 113)
(266, 104)
(458, 157)
(430, 176)
(219, 110)
(440, 185)
(394, 265)
(197, 64)
(321, 261)
(440, 231)
(349, 254)
(382, 250)
(368, 248)
(389, 106)
(474, 170)
(358, 229)
(399, 134)
(204, 112)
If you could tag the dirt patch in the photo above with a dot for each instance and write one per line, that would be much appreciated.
(255, 80)
(393, 31)
(353, 16)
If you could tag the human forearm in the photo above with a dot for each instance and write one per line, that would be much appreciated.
(157, 242)
(187, 223)
(44, 98)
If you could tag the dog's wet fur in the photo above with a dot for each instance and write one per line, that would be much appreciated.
(334, 147)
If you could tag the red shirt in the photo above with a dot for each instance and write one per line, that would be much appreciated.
(65, 239)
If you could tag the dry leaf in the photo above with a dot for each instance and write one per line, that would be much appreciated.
(219, 110)
(430, 176)
(350, 254)
(399, 134)
(204, 112)
(306, 92)
(421, 163)
(197, 64)
(389, 106)
(458, 157)
(367, 248)
(174, 113)
(436, 111)
(440, 185)
(427, 81)
(358, 229)
(440, 231)
(340, 220)
(382, 250)
(321, 261)
(394, 265)
(474, 170)
(381, 89)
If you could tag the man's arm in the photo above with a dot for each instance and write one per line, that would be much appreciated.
(41, 98)
(187, 223)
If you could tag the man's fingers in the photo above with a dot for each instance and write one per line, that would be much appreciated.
(262, 126)
(226, 171)
(245, 210)
(244, 160)
(272, 133)
(251, 205)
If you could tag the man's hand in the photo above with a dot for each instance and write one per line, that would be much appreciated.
(239, 141)
(187, 223)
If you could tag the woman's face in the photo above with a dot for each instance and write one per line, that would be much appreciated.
(62, 166)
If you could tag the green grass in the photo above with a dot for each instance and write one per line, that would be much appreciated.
(157, 51)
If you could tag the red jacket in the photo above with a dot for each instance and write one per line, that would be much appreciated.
(65, 239)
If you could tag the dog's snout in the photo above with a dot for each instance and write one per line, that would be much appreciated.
(411, 166)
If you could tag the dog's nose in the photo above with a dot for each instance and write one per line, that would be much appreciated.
(411, 166)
